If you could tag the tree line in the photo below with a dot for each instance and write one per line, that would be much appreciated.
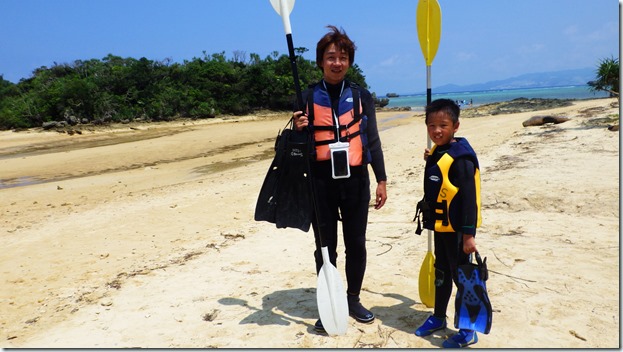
(116, 89)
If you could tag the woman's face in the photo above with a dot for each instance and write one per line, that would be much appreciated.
(334, 64)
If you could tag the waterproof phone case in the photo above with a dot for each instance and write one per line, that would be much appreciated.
(340, 167)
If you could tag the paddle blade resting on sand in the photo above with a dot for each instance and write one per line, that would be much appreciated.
(331, 298)
(428, 19)
(427, 280)
(330, 294)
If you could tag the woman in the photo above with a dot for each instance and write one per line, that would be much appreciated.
(342, 119)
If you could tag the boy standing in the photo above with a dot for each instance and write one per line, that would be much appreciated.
(451, 207)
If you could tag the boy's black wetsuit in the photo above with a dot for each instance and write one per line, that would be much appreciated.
(347, 199)
(449, 245)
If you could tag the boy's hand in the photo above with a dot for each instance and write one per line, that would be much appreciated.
(426, 153)
(469, 244)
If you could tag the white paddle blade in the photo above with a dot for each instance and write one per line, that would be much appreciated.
(289, 5)
(331, 298)
(284, 8)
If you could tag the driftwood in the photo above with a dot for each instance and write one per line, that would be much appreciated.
(542, 120)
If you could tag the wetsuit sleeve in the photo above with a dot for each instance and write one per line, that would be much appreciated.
(464, 170)
(374, 141)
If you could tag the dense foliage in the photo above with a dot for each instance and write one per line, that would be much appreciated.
(116, 89)
(607, 76)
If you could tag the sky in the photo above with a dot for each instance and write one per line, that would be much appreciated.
(481, 40)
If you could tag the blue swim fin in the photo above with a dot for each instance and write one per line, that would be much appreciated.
(473, 308)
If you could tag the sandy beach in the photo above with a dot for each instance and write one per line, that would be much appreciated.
(142, 235)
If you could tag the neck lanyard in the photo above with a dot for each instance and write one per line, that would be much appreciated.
(337, 120)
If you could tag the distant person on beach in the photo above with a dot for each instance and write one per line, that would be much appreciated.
(346, 196)
(454, 232)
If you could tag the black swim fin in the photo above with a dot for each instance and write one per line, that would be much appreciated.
(473, 308)
(294, 205)
(284, 198)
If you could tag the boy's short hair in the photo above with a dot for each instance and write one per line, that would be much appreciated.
(341, 41)
(446, 105)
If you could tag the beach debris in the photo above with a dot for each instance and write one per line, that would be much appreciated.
(572, 332)
(542, 120)
(230, 236)
(32, 321)
(211, 315)
(116, 284)
(613, 128)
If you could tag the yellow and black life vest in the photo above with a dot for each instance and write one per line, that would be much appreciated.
(439, 192)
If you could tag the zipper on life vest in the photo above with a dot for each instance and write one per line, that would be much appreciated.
(335, 117)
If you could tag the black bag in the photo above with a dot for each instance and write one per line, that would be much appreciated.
(285, 198)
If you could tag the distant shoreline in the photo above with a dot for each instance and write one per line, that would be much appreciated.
(436, 92)
(476, 98)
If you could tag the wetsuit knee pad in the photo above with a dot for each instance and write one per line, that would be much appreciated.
(439, 277)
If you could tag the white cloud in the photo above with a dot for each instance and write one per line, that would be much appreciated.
(607, 32)
(391, 61)
(530, 49)
(465, 56)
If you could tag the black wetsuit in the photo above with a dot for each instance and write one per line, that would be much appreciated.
(347, 198)
(449, 245)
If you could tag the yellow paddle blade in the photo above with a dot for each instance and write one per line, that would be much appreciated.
(428, 19)
(427, 280)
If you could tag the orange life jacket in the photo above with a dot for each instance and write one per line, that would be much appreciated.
(352, 124)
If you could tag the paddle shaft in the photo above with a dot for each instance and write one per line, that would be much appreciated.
(429, 98)
(428, 16)
(330, 286)
(295, 72)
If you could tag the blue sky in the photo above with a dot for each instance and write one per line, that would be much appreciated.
(481, 40)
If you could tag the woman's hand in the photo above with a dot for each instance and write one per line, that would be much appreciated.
(381, 195)
(300, 120)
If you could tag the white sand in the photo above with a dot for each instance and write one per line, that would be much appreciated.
(162, 251)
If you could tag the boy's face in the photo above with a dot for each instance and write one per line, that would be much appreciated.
(334, 64)
(440, 128)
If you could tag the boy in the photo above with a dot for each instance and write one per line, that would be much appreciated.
(451, 207)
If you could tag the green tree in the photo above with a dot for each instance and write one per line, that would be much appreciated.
(114, 88)
(607, 77)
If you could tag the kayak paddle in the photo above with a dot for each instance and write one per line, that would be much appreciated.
(428, 18)
(330, 293)
(283, 8)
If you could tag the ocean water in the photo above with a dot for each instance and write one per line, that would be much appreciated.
(418, 101)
